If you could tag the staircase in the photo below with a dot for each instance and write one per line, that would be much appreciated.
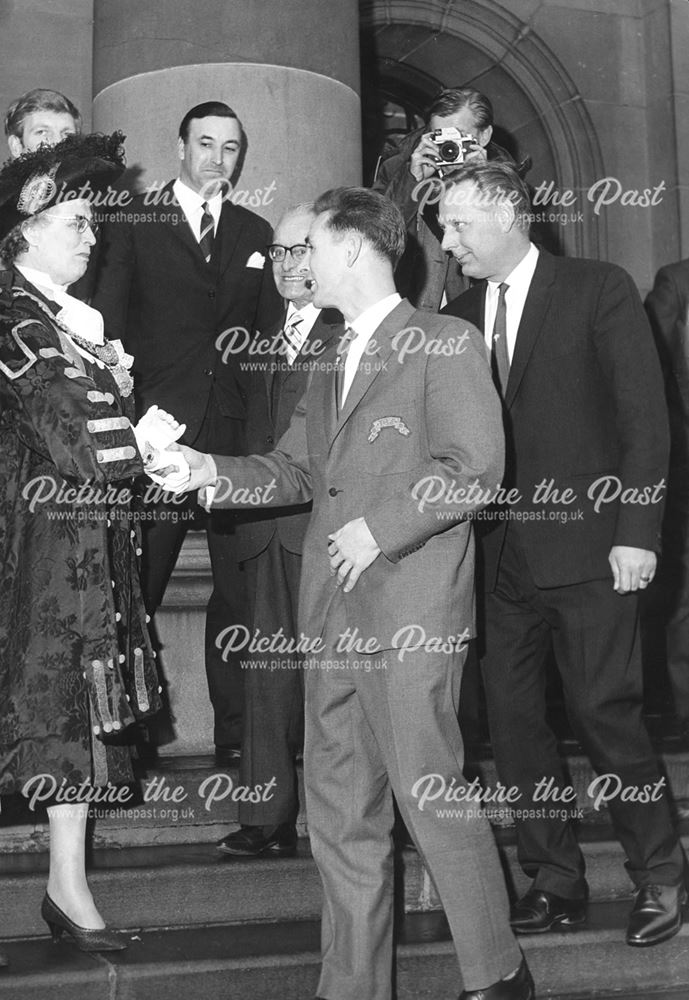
(205, 927)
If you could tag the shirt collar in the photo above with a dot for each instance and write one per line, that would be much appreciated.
(79, 318)
(307, 312)
(521, 275)
(42, 280)
(191, 201)
(371, 318)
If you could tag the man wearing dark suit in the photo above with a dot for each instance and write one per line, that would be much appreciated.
(667, 305)
(271, 545)
(181, 275)
(584, 413)
(399, 420)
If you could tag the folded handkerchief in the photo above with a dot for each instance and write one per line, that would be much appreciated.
(256, 260)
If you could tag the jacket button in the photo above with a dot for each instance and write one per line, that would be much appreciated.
(270, 440)
(211, 293)
(207, 371)
(332, 491)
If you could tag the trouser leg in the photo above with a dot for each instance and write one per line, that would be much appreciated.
(273, 721)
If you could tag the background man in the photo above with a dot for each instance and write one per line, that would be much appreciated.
(410, 176)
(39, 116)
(667, 305)
(375, 432)
(584, 413)
(273, 724)
(170, 285)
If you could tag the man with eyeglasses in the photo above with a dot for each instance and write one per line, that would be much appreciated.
(175, 275)
(273, 724)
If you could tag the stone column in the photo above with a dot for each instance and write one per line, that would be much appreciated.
(291, 73)
(289, 70)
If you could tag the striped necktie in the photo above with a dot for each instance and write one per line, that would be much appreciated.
(500, 360)
(207, 233)
(291, 337)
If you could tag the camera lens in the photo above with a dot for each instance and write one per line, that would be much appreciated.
(449, 152)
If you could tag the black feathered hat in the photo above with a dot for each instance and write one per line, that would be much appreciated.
(81, 166)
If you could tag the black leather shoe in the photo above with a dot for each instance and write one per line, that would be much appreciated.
(85, 938)
(252, 841)
(656, 914)
(539, 911)
(228, 756)
(519, 987)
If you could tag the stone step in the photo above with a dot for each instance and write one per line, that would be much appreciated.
(186, 800)
(264, 961)
(188, 885)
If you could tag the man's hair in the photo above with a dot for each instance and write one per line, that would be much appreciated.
(450, 101)
(496, 182)
(303, 208)
(375, 217)
(216, 109)
(37, 100)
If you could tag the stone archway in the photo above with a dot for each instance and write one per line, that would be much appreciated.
(478, 44)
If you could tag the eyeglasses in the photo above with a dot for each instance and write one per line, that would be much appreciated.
(277, 252)
(80, 223)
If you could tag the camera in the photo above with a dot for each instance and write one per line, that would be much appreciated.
(452, 145)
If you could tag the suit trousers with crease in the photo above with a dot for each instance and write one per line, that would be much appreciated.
(375, 726)
(595, 639)
(273, 720)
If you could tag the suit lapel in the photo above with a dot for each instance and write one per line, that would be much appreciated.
(227, 236)
(473, 305)
(177, 223)
(375, 358)
(531, 324)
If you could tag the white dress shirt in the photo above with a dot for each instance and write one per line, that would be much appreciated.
(364, 326)
(519, 281)
(192, 204)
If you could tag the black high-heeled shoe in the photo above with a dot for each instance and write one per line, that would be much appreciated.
(86, 939)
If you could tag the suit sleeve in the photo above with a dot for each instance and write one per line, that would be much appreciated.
(663, 305)
(626, 353)
(269, 308)
(464, 431)
(279, 479)
(116, 264)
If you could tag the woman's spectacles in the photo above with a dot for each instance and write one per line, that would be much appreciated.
(79, 223)
(277, 252)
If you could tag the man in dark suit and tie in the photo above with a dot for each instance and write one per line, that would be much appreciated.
(179, 274)
(399, 428)
(270, 545)
(667, 305)
(567, 553)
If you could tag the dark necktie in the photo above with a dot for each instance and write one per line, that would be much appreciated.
(342, 349)
(207, 233)
(500, 361)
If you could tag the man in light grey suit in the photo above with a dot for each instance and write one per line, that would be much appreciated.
(398, 441)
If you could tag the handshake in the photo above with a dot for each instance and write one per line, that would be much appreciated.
(175, 467)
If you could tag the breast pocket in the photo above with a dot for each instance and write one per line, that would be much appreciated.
(390, 441)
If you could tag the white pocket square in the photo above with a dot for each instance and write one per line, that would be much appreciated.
(256, 260)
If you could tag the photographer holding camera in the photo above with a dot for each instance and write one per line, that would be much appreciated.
(459, 130)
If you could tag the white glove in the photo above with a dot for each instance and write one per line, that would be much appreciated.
(156, 430)
(169, 469)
